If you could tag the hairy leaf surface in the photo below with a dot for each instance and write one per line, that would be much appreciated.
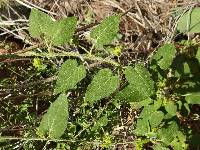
(39, 23)
(54, 32)
(105, 32)
(54, 122)
(142, 127)
(148, 110)
(129, 94)
(103, 121)
(155, 118)
(138, 105)
(167, 134)
(159, 147)
(62, 31)
(102, 85)
(171, 108)
(140, 80)
(150, 116)
(165, 55)
(69, 75)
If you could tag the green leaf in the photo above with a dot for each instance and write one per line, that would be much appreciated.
(184, 66)
(180, 104)
(151, 135)
(187, 108)
(148, 110)
(105, 32)
(181, 136)
(167, 134)
(138, 105)
(179, 144)
(190, 21)
(39, 23)
(165, 55)
(168, 116)
(155, 118)
(142, 127)
(54, 122)
(171, 108)
(129, 94)
(140, 86)
(62, 31)
(103, 121)
(140, 81)
(160, 147)
(54, 32)
(102, 85)
(69, 75)
(193, 98)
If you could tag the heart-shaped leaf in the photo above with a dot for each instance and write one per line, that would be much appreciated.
(54, 122)
(105, 32)
(69, 75)
(102, 85)
(165, 55)
(54, 32)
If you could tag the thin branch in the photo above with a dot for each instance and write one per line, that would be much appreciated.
(69, 54)
(16, 35)
(28, 49)
(14, 30)
(35, 139)
(58, 140)
(86, 27)
(30, 5)
(126, 12)
(13, 22)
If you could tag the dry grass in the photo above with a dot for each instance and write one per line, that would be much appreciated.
(145, 26)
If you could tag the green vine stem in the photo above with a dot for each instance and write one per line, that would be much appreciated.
(69, 54)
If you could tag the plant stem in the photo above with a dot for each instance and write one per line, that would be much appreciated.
(55, 140)
(35, 139)
(70, 54)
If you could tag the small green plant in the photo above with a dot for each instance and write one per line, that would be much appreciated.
(167, 86)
